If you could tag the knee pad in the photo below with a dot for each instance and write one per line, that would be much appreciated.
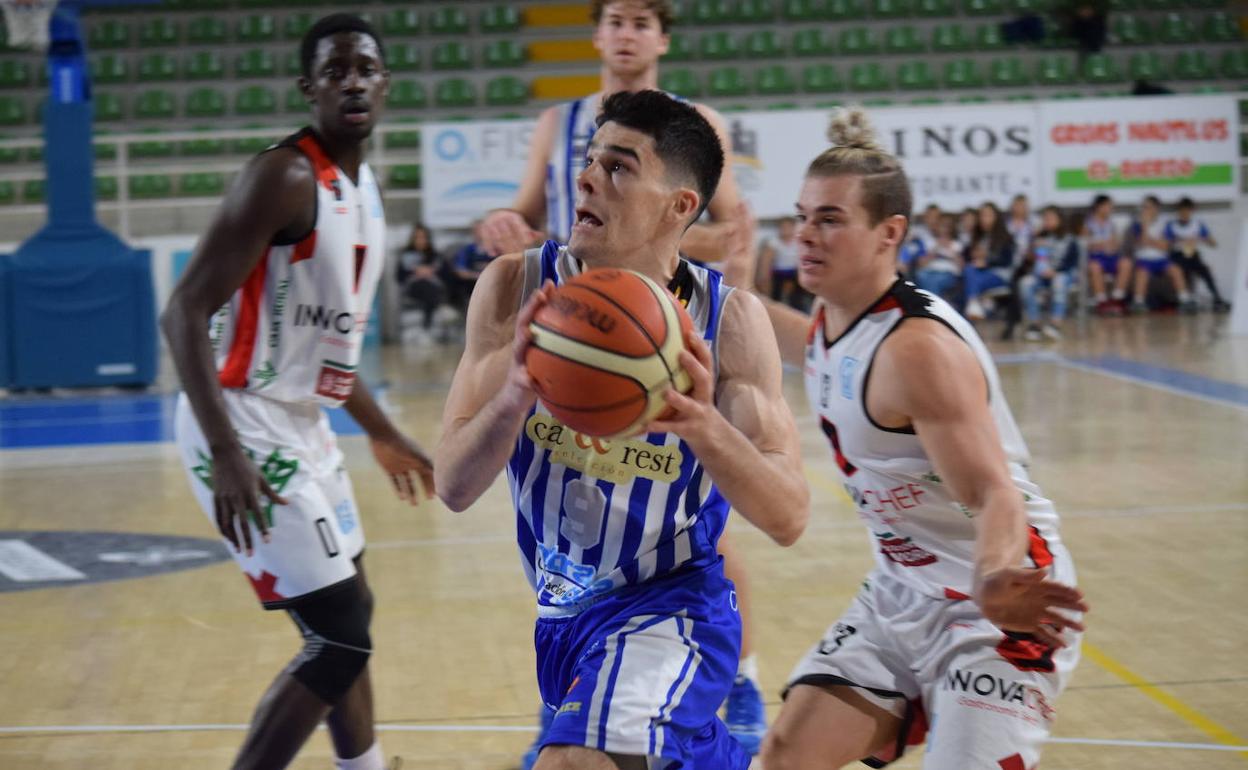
(336, 643)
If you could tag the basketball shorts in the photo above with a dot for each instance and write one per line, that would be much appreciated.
(1108, 262)
(989, 697)
(314, 538)
(643, 672)
(1153, 266)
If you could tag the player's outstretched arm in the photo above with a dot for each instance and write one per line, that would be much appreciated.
(274, 196)
(404, 461)
(732, 224)
(491, 391)
(927, 377)
(744, 434)
(514, 229)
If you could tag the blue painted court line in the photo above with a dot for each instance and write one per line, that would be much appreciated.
(143, 419)
(1162, 377)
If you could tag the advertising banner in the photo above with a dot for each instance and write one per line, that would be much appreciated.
(470, 168)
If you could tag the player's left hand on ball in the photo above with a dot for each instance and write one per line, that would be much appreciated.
(1026, 601)
(409, 468)
(689, 415)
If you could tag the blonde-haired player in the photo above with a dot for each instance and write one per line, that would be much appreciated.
(969, 619)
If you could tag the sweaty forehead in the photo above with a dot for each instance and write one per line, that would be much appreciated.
(347, 45)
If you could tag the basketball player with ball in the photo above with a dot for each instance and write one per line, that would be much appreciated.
(637, 635)
(970, 620)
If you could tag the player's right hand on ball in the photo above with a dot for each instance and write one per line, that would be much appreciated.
(237, 487)
(504, 231)
(518, 393)
(1026, 601)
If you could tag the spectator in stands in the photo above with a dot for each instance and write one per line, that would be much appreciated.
(1052, 265)
(1084, 21)
(1152, 258)
(1105, 258)
(919, 241)
(1020, 225)
(464, 270)
(967, 222)
(780, 252)
(1185, 234)
(417, 274)
(990, 262)
(938, 267)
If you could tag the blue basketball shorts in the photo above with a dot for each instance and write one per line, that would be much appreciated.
(643, 672)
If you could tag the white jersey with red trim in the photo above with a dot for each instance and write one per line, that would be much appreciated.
(293, 331)
(921, 534)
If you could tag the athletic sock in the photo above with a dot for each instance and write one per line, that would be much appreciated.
(372, 759)
(1119, 295)
(1185, 296)
(1099, 298)
(747, 668)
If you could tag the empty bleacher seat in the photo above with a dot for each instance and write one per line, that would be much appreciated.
(400, 22)
(811, 42)
(950, 38)
(800, 10)
(856, 41)
(681, 48)
(1129, 29)
(1008, 72)
(149, 186)
(159, 31)
(204, 65)
(988, 37)
(155, 104)
(763, 44)
(1146, 65)
(107, 107)
(202, 184)
(891, 9)
(255, 100)
(154, 148)
(903, 39)
(156, 67)
(451, 55)
(207, 30)
(1057, 70)
(755, 11)
(712, 12)
(821, 79)
(719, 45)
(934, 8)
(109, 33)
(1234, 66)
(915, 75)
(256, 63)
(1221, 28)
(404, 138)
(499, 18)
(455, 92)
(201, 147)
(506, 91)
(774, 80)
(1193, 65)
(403, 57)
(448, 20)
(8, 192)
(294, 100)
(869, 76)
(727, 81)
(962, 73)
(680, 81)
(110, 68)
(503, 53)
(34, 190)
(983, 7)
(1100, 68)
(14, 73)
(844, 10)
(405, 176)
(296, 24)
(1176, 29)
(408, 95)
(257, 28)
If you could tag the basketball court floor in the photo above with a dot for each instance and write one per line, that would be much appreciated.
(132, 642)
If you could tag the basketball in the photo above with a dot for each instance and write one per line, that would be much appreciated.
(605, 349)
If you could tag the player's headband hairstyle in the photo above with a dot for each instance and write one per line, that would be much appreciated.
(328, 26)
(663, 9)
(855, 152)
(683, 139)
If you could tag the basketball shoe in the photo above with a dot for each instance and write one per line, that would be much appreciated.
(745, 715)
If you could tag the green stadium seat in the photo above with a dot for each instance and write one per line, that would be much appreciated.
(774, 80)
(1129, 29)
(1055, 70)
(719, 45)
(1146, 65)
(712, 12)
(203, 147)
(34, 191)
(1024, 7)
(1099, 68)
(110, 68)
(1176, 29)
(988, 37)
(682, 82)
(403, 57)
(1160, 5)
(103, 150)
(755, 11)
(256, 63)
(1193, 65)
(294, 100)
(821, 79)
(255, 100)
(292, 66)
(811, 42)
(150, 186)
(680, 49)
(891, 9)
(253, 144)
(295, 25)
(903, 39)
(408, 95)
(962, 73)
(8, 192)
(727, 81)
(159, 31)
(403, 139)
(1021, 98)
(844, 10)
(506, 91)
(107, 107)
(406, 176)
(157, 67)
(155, 104)
(14, 73)
(400, 22)
(1207, 4)
(927, 101)
(109, 33)
(950, 38)
(1234, 66)
(499, 18)
(1221, 28)
(257, 28)
(868, 77)
(9, 154)
(914, 75)
(762, 44)
(503, 53)
(455, 92)
(207, 30)
(983, 7)
(799, 10)
(151, 149)
(973, 99)
(204, 65)
(34, 154)
(202, 184)
(857, 41)
(933, 9)
(1008, 73)
(449, 20)
(452, 55)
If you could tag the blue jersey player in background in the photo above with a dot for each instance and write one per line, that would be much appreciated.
(637, 633)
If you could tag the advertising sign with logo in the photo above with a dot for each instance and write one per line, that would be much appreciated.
(1129, 148)
(470, 168)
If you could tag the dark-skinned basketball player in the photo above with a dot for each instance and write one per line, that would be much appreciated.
(265, 329)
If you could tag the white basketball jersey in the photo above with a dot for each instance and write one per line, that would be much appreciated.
(567, 159)
(293, 331)
(921, 534)
(1155, 231)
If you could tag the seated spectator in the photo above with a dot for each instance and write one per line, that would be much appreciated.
(937, 269)
(919, 241)
(417, 274)
(466, 267)
(1152, 258)
(1052, 265)
(967, 221)
(1019, 225)
(780, 253)
(1185, 234)
(1105, 258)
(990, 263)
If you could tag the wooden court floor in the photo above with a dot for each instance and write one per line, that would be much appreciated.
(1139, 431)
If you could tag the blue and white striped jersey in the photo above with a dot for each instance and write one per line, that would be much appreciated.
(594, 515)
(567, 159)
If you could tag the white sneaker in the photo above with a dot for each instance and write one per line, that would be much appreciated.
(975, 310)
(1033, 335)
(1052, 332)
